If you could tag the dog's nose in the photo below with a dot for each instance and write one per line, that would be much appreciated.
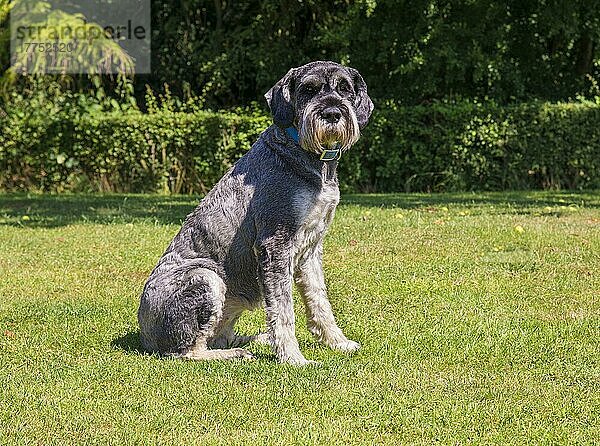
(331, 114)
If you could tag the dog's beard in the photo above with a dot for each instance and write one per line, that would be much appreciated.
(316, 134)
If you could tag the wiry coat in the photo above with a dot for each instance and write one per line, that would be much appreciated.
(260, 227)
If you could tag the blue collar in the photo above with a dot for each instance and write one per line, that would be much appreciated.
(326, 155)
(293, 134)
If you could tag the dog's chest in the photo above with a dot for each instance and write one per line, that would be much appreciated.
(315, 212)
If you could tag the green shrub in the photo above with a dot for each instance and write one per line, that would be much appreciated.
(437, 147)
(471, 146)
(168, 152)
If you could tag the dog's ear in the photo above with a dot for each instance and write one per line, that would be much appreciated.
(279, 99)
(363, 104)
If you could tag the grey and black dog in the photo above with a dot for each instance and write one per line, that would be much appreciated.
(261, 228)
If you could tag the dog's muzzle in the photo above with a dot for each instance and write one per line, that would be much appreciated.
(328, 129)
(331, 154)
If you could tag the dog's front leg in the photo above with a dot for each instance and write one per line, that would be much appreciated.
(275, 277)
(319, 315)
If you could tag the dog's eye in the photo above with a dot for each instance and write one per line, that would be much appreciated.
(344, 88)
(311, 88)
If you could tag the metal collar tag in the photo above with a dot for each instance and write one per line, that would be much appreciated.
(331, 155)
(326, 155)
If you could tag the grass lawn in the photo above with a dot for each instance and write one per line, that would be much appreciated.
(478, 315)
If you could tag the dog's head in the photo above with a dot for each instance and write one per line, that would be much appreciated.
(326, 102)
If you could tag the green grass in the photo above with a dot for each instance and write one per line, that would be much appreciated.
(479, 317)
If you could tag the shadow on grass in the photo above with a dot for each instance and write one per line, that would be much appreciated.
(47, 211)
(524, 199)
(129, 343)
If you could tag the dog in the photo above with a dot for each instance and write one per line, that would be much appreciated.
(260, 229)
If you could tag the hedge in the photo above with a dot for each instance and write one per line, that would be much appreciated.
(436, 147)
(135, 152)
(473, 146)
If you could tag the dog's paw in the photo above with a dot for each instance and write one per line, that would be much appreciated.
(240, 353)
(346, 346)
(306, 363)
(301, 362)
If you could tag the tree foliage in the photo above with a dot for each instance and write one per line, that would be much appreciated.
(418, 50)
(229, 53)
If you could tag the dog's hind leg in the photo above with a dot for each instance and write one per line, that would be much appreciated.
(219, 319)
(190, 315)
(229, 338)
(225, 335)
(201, 353)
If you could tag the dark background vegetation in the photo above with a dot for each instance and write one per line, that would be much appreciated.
(469, 94)
(415, 51)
